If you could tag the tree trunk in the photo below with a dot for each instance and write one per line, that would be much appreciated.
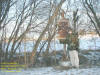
(65, 52)
(74, 58)
(42, 34)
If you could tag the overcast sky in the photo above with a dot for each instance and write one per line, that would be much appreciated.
(74, 4)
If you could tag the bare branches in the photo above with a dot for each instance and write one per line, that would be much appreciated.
(24, 18)
(5, 5)
(51, 19)
(89, 6)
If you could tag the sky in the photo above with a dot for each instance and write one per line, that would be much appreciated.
(74, 4)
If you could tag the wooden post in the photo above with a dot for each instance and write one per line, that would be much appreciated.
(25, 57)
(65, 54)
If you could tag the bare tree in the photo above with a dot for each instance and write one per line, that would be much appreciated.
(5, 6)
(92, 8)
(50, 21)
(25, 18)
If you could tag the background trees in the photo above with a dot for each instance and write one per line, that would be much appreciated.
(93, 12)
(50, 21)
(26, 18)
(22, 19)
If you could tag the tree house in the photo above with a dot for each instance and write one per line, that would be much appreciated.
(63, 29)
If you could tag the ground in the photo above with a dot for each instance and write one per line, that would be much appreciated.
(52, 71)
(92, 56)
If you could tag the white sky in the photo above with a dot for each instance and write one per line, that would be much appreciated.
(12, 11)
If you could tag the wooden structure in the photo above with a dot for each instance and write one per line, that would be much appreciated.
(69, 36)
(63, 28)
(63, 31)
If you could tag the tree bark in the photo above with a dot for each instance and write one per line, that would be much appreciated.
(74, 58)
(42, 34)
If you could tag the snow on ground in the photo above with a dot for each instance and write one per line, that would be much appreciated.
(93, 55)
(51, 71)
(86, 42)
(93, 70)
(89, 42)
